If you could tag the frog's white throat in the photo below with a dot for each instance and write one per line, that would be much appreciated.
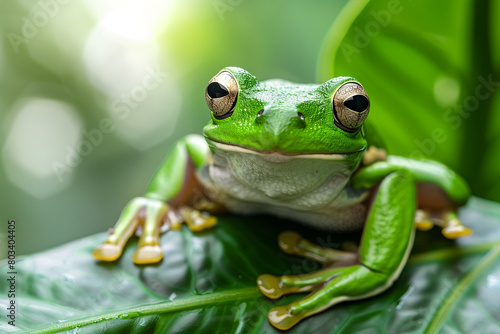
(276, 156)
(309, 179)
(310, 188)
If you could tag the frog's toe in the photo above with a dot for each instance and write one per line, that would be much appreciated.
(292, 243)
(289, 242)
(452, 226)
(275, 287)
(422, 220)
(107, 252)
(456, 231)
(283, 317)
(196, 220)
(147, 254)
(270, 286)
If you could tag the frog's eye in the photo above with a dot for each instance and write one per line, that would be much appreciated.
(221, 94)
(350, 106)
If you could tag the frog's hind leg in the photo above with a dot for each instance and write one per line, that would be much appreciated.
(385, 246)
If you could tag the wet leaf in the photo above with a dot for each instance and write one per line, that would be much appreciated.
(206, 283)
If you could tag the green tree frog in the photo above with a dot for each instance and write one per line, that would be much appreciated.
(303, 152)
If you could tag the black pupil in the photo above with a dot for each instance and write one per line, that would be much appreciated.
(357, 103)
(216, 90)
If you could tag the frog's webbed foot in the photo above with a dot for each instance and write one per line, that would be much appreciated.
(149, 215)
(195, 220)
(292, 243)
(451, 226)
(328, 286)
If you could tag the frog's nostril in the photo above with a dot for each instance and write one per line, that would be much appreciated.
(260, 112)
(301, 116)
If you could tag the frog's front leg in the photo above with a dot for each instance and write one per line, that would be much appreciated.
(167, 198)
(440, 191)
(385, 246)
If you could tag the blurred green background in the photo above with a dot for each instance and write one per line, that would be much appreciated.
(118, 82)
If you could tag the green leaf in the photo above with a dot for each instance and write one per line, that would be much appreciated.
(432, 70)
(206, 283)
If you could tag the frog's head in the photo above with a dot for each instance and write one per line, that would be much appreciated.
(281, 117)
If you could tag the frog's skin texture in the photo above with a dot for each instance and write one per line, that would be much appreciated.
(304, 152)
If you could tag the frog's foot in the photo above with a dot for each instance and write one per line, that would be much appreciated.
(150, 215)
(205, 205)
(108, 252)
(451, 226)
(127, 224)
(329, 286)
(292, 243)
(148, 248)
(148, 212)
(196, 220)
(423, 221)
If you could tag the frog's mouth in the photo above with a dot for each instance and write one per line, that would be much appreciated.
(278, 156)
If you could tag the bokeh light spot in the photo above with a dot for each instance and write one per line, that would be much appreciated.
(130, 27)
(147, 114)
(121, 59)
(39, 136)
(114, 58)
(446, 91)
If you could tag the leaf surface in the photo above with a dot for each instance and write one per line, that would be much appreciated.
(206, 283)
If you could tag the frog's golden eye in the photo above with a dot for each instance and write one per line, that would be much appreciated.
(221, 94)
(350, 106)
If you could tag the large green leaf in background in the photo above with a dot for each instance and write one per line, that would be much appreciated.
(206, 284)
(431, 69)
